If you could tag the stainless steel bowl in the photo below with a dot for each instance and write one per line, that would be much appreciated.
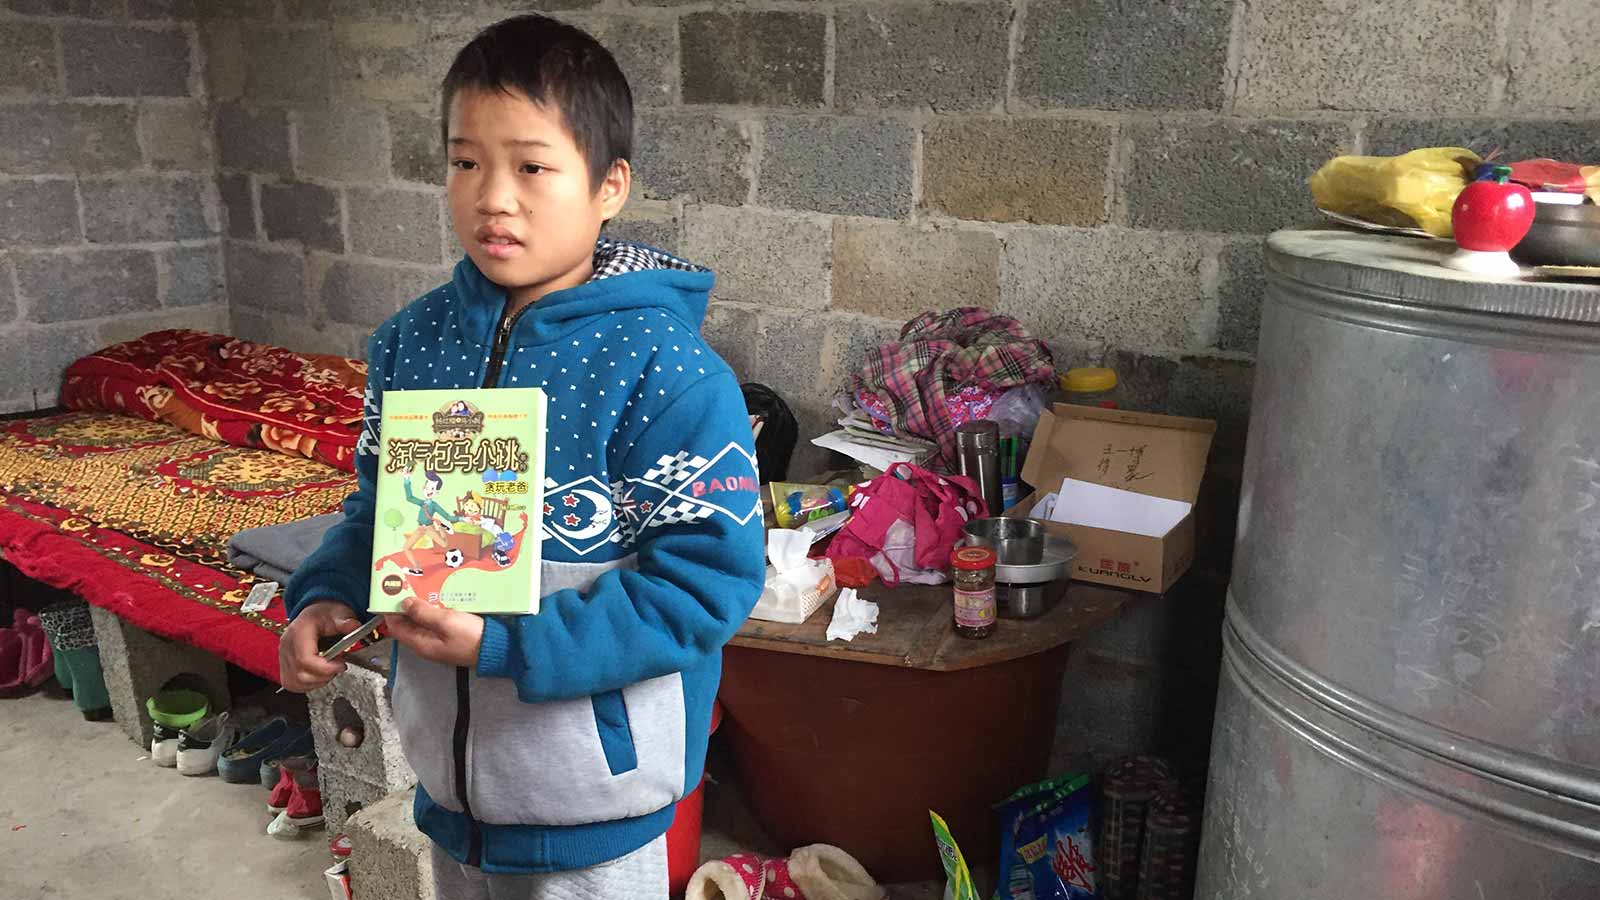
(1562, 235)
(1015, 542)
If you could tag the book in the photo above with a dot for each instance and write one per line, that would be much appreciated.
(459, 501)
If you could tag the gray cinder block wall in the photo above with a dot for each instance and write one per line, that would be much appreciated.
(1101, 169)
(109, 219)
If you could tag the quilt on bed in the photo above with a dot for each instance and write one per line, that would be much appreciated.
(135, 515)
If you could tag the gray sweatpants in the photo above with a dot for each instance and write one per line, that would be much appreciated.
(641, 875)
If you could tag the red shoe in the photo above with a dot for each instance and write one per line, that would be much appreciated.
(25, 657)
(779, 885)
(305, 802)
(736, 877)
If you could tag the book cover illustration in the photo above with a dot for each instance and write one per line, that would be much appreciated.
(458, 473)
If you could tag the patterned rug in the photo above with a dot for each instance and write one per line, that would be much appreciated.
(135, 516)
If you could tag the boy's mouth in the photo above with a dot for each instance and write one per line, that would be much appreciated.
(498, 242)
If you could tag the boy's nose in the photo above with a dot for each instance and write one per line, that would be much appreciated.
(497, 198)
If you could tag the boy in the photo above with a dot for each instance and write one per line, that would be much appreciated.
(550, 749)
(433, 520)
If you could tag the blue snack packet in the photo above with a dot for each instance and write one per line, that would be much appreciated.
(1057, 845)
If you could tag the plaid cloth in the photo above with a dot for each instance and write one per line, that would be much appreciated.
(614, 257)
(948, 369)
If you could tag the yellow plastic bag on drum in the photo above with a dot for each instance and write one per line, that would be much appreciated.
(1412, 190)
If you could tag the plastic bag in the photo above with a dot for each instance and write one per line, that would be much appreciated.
(958, 884)
(1412, 190)
(1015, 882)
(1017, 411)
(1056, 843)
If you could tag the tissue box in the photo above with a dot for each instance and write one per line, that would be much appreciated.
(791, 597)
(338, 879)
(1140, 453)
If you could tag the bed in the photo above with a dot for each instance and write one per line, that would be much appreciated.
(171, 444)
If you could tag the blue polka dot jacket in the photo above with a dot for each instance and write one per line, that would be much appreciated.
(580, 727)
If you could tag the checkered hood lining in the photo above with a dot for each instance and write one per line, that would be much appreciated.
(613, 257)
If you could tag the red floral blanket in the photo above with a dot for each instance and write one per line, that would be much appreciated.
(240, 392)
(134, 516)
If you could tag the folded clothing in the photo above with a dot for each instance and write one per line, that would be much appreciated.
(275, 551)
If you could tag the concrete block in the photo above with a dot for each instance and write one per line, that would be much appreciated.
(212, 317)
(1105, 284)
(226, 58)
(359, 699)
(137, 664)
(298, 333)
(1242, 283)
(176, 136)
(253, 140)
(341, 144)
(67, 138)
(201, 9)
(239, 205)
(699, 155)
(116, 61)
(366, 293)
(307, 213)
(1216, 388)
(391, 61)
(1329, 54)
(1244, 176)
(947, 56)
(265, 279)
(54, 286)
(646, 50)
(848, 341)
(1103, 54)
(1143, 381)
(401, 225)
(9, 310)
(1046, 171)
(147, 208)
(345, 795)
(734, 331)
(38, 212)
(773, 259)
(192, 276)
(896, 271)
(1566, 139)
(48, 353)
(390, 857)
(866, 170)
(1553, 60)
(416, 147)
(288, 66)
(763, 58)
(27, 60)
(87, 9)
(646, 225)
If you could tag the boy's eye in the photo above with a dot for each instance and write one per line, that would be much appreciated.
(463, 164)
(531, 168)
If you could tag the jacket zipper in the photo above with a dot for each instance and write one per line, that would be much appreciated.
(491, 378)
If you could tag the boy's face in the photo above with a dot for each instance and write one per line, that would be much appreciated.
(521, 202)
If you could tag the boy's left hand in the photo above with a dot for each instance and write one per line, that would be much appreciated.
(437, 633)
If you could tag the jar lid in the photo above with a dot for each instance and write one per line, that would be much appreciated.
(972, 558)
(341, 847)
(1084, 381)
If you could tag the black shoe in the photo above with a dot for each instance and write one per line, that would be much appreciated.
(97, 715)
(413, 571)
(501, 557)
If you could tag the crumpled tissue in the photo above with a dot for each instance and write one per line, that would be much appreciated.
(851, 616)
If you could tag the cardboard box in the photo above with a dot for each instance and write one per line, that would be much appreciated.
(1155, 456)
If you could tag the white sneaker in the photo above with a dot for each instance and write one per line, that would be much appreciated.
(200, 747)
(164, 746)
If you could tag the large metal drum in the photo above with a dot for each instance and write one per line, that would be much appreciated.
(1410, 701)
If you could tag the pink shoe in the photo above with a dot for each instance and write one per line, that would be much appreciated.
(780, 886)
(736, 877)
(25, 657)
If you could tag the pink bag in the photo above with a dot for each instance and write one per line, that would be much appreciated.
(906, 521)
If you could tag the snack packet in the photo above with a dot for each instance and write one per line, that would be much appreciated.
(959, 884)
(1056, 843)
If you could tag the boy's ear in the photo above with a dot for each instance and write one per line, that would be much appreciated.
(614, 189)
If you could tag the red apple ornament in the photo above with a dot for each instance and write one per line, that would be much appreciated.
(1490, 216)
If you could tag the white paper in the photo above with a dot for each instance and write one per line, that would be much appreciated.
(851, 616)
(880, 458)
(1098, 506)
(787, 548)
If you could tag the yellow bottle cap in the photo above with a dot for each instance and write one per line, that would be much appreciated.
(1088, 381)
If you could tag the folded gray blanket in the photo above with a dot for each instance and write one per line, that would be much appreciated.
(274, 551)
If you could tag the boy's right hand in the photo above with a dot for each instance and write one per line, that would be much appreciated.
(301, 667)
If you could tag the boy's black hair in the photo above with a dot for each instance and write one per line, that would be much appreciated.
(558, 64)
(429, 475)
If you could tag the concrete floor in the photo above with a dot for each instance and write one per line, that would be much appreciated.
(98, 821)
(81, 815)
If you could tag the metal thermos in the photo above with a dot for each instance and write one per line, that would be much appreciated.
(978, 446)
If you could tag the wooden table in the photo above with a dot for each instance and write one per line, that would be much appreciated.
(852, 743)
